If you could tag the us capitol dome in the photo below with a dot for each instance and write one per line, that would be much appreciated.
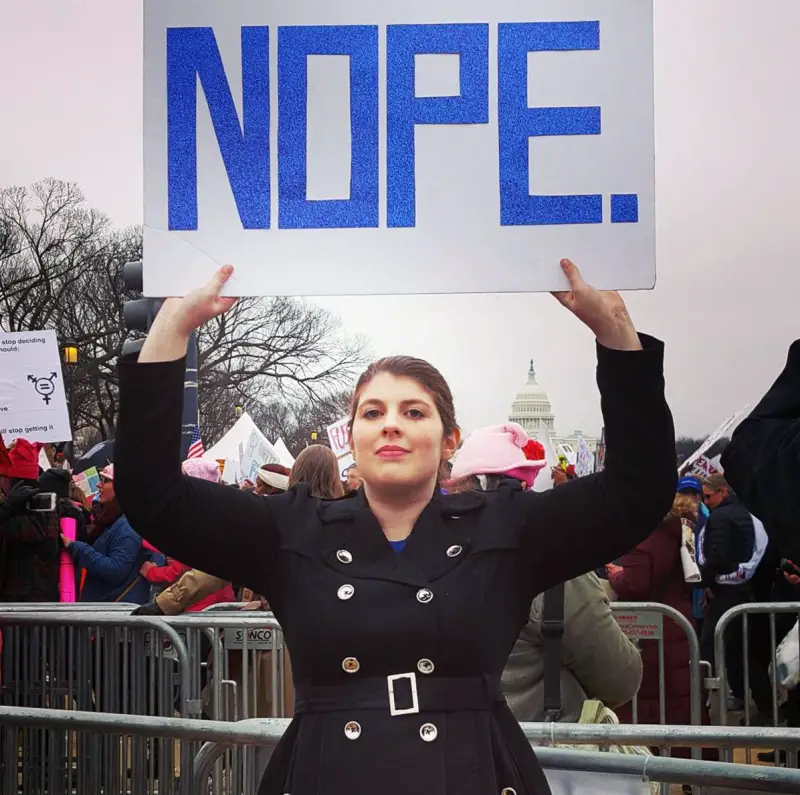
(533, 411)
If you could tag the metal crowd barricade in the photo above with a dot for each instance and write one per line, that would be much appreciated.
(720, 682)
(218, 736)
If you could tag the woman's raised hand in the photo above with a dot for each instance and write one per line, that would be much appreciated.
(603, 311)
(193, 310)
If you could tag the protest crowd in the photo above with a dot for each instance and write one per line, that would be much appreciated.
(125, 529)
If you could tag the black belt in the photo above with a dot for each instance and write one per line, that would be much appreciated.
(401, 694)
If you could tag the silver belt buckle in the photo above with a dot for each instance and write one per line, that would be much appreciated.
(414, 708)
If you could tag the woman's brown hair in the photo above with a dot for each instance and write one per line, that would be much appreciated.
(318, 468)
(424, 373)
(684, 507)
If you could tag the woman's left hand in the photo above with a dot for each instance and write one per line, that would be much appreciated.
(603, 311)
(65, 541)
(613, 569)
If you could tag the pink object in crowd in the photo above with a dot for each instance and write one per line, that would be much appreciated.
(66, 569)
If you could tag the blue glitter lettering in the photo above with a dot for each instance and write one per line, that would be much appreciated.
(404, 110)
(624, 208)
(517, 123)
(193, 53)
(295, 44)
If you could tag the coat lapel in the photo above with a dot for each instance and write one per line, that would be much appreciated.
(355, 545)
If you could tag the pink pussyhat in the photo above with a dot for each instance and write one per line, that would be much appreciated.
(202, 469)
(500, 450)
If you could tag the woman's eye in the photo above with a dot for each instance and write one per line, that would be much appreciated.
(371, 414)
(415, 414)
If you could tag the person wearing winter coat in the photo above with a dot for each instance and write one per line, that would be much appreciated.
(113, 561)
(653, 572)
(762, 461)
(400, 599)
(597, 660)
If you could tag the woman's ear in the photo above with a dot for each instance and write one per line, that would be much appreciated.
(450, 444)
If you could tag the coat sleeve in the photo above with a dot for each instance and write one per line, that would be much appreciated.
(166, 574)
(193, 586)
(762, 462)
(24, 529)
(605, 662)
(588, 522)
(214, 527)
(635, 582)
(115, 565)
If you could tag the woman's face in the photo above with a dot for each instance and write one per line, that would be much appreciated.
(106, 490)
(397, 437)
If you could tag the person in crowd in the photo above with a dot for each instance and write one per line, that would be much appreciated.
(318, 468)
(352, 479)
(272, 479)
(653, 572)
(29, 548)
(691, 487)
(401, 579)
(597, 659)
(112, 562)
(730, 549)
(762, 461)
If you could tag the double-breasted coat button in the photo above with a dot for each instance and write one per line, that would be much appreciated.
(346, 591)
(352, 730)
(454, 551)
(428, 732)
(343, 556)
(350, 664)
(424, 595)
(508, 791)
(425, 666)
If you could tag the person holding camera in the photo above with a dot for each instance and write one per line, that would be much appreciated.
(29, 530)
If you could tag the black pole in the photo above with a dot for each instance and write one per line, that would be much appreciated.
(190, 410)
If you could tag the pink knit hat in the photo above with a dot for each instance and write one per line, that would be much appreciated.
(201, 468)
(500, 450)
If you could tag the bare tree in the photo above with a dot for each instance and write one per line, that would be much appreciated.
(61, 268)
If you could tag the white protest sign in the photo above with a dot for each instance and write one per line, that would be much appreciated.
(377, 148)
(257, 452)
(730, 423)
(339, 437)
(585, 459)
(33, 405)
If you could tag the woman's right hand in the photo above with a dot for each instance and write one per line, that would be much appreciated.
(187, 314)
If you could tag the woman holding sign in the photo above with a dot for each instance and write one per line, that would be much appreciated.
(400, 604)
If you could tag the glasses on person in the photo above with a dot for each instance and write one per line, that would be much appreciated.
(105, 480)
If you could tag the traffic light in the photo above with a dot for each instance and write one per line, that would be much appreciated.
(138, 314)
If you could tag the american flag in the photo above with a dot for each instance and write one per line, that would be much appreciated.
(196, 449)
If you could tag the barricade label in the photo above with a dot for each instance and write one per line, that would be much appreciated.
(256, 638)
(643, 625)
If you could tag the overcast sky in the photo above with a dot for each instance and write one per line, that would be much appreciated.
(728, 163)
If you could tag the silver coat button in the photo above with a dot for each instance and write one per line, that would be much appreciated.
(424, 595)
(425, 666)
(343, 556)
(454, 551)
(428, 732)
(508, 791)
(352, 730)
(346, 591)
(350, 665)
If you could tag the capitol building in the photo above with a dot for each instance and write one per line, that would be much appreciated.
(533, 411)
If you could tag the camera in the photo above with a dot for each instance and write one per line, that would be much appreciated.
(42, 502)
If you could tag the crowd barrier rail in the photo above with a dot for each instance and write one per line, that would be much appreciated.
(219, 736)
(720, 683)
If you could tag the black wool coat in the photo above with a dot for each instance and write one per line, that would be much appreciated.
(397, 657)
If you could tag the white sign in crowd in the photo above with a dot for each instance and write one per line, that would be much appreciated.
(33, 403)
(378, 148)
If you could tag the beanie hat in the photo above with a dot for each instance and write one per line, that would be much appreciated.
(201, 468)
(55, 481)
(24, 457)
(108, 472)
(690, 483)
(275, 475)
(500, 450)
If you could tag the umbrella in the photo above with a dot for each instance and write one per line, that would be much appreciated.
(99, 456)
